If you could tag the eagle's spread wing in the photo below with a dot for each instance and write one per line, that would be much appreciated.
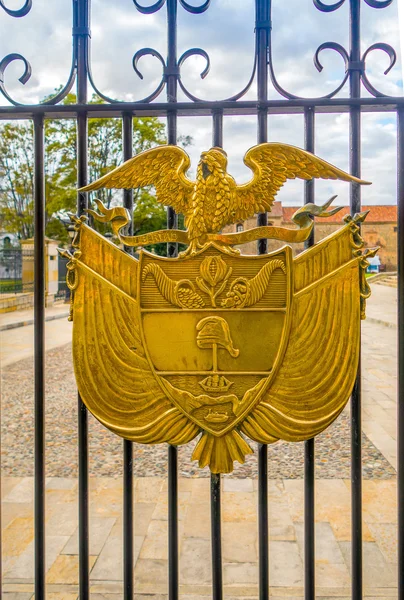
(163, 167)
(273, 164)
(113, 375)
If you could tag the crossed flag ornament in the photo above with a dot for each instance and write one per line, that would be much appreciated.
(214, 344)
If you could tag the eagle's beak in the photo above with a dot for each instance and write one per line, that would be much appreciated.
(205, 170)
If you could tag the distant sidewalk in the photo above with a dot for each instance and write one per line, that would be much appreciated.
(20, 318)
(381, 307)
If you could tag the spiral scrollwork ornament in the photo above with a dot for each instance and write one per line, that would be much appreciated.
(348, 67)
(196, 10)
(148, 10)
(17, 12)
(200, 52)
(391, 53)
(24, 78)
(135, 60)
(173, 69)
(317, 63)
(328, 7)
(379, 3)
(342, 52)
(62, 93)
(334, 46)
(336, 5)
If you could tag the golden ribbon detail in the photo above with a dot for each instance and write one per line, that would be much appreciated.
(119, 217)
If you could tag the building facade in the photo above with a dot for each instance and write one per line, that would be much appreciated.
(379, 229)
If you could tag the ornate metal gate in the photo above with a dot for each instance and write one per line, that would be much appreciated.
(262, 76)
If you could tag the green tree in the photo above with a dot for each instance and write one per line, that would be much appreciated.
(105, 153)
(16, 179)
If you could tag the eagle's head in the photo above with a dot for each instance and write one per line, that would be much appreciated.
(213, 159)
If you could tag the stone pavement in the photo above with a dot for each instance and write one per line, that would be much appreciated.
(17, 342)
(379, 387)
(240, 543)
(239, 502)
(381, 307)
(21, 318)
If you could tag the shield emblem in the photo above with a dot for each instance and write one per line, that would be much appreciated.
(211, 342)
(214, 327)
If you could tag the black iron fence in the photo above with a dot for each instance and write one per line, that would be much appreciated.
(11, 270)
(16, 265)
(262, 76)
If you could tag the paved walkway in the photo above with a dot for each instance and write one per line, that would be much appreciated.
(381, 307)
(239, 512)
(20, 318)
(17, 342)
(240, 543)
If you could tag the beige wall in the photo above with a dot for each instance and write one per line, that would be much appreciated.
(51, 265)
(385, 236)
(374, 234)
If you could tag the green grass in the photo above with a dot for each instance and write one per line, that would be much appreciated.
(5, 282)
(10, 286)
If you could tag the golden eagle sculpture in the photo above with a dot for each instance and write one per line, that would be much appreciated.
(214, 199)
(213, 343)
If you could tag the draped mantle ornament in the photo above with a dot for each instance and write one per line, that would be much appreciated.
(214, 343)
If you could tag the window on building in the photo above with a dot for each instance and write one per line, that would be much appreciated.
(239, 227)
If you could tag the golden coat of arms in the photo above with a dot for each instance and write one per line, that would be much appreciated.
(214, 343)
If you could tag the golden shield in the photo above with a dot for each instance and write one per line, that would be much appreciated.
(214, 329)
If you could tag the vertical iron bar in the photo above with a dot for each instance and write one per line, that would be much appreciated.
(217, 134)
(172, 252)
(127, 140)
(215, 478)
(355, 205)
(263, 522)
(262, 17)
(172, 523)
(400, 395)
(82, 16)
(171, 77)
(128, 584)
(309, 122)
(39, 350)
(128, 557)
(216, 533)
(309, 449)
(262, 8)
(1, 527)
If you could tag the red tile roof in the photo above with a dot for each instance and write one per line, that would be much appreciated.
(377, 214)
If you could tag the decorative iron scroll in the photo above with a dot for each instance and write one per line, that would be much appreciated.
(172, 67)
(211, 342)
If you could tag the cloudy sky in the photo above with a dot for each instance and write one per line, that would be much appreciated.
(226, 32)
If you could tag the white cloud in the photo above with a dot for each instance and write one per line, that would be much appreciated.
(226, 32)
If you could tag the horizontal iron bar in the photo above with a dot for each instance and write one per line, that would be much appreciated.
(322, 105)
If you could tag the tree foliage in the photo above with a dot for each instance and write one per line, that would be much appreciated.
(105, 153)
(16, 179)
